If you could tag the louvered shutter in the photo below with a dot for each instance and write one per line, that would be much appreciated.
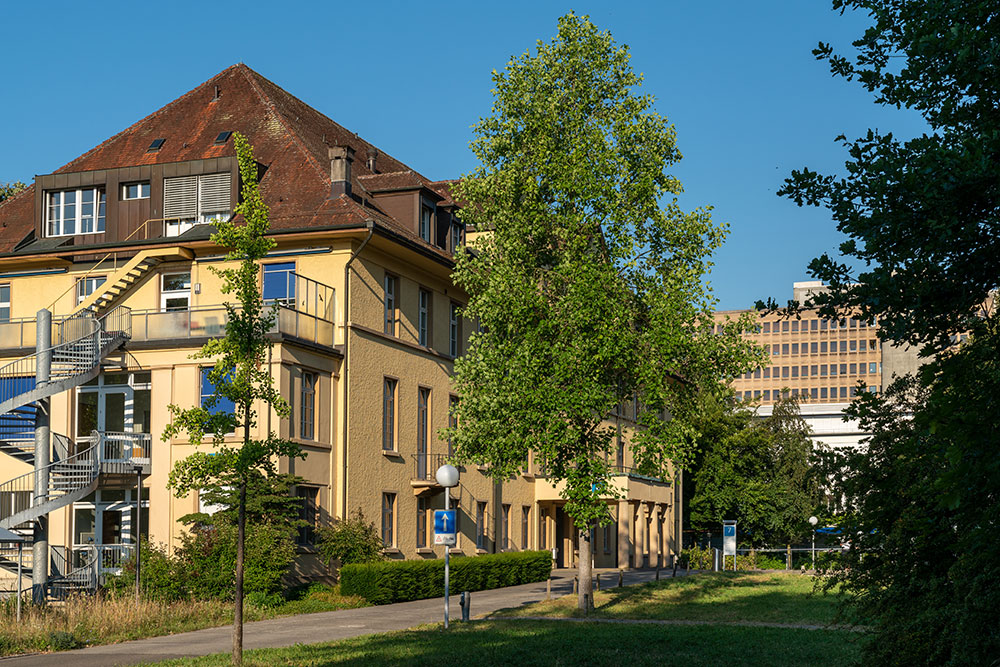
(180, 197)
(214, 193)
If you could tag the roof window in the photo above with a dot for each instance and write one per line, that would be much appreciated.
(222, 138)
(155, 145)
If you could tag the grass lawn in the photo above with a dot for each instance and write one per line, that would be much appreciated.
(724, 596)
(86, 621)
(560, 643)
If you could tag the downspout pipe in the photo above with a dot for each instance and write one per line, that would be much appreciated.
(370, 225)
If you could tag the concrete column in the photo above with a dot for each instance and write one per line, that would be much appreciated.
(655, 536)
(641, 534)
(43, 366)
(624, 534)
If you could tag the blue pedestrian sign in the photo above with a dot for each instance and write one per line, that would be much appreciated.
(444, 528)
(729, 538)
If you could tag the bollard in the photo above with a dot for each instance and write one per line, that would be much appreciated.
(621, 575)
(576, 585)
(657, 572)
(676, 563)
(598, 580)
(548, 589)
(466, 604)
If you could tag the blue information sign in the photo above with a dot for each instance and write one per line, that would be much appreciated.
(729, 531)
(444, 527)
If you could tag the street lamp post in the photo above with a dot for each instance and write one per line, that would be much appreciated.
(812, 522)
(447, 476)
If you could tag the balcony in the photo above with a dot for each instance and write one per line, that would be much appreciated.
(425, 466)
(210, 322)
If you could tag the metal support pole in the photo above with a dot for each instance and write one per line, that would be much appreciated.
(814, 549)
(40, 546)
(447, 562)
(138, 530)
(20, 560)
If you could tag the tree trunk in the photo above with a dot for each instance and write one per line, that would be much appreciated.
(241, 523)
(586, 573)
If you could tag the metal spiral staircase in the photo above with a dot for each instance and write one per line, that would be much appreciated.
(81, 342)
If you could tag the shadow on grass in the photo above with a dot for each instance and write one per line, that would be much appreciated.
(559, 643)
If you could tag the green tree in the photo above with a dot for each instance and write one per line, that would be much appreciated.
(8, 190)
(755, 470)
(240, 375)
(922, 216)
(588, 289)
(351, 540)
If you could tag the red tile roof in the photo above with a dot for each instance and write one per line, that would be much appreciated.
(288, 136)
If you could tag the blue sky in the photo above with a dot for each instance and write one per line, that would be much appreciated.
(737, 79)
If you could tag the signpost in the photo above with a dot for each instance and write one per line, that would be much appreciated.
(445, 525)
(729, 541)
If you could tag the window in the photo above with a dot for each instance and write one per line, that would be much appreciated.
(822, 392)
(424, 317)
(767, 327)
(795, 371)
(481, 525)
(87, 286)
(823, 324)
(833, 369)
(767, 373)
(843, 346)
(784, 347)
(619, 450)
(307, 406)
(756, 374)
(192, 200)
(452, 421)
(814, 393)
(814, 325)
(505, 527)
(822, 346)
(389, 414)
(813, 347)
(279, 283)
(423, 430)
(843, 392)
(308, 512)
(135, 190)
(391, 289)
(222, 404)
(421, 523)
(5, 302)
(854, 369)
(872, 366)
(795, 348)
(784, 326)
(843, 369)
(454, 331)
(456, 236)
(784, 371)
(767, 394)
(854, 345)
(525, 522)
(389, 520)
(175, 291)
(863, 369)
(426, 218)
(76, 212)
(795, 325)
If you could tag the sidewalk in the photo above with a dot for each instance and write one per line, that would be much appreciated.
(321, 627)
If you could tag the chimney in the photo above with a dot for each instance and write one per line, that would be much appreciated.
(372, 159)
(340, 170)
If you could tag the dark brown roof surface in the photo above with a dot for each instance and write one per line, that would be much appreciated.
(289, 137)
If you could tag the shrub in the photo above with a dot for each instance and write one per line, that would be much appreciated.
(400, 581)
(352, 540)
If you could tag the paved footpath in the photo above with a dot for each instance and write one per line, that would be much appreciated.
(313, 628)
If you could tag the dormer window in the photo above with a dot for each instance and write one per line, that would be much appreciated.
(80, 211)
(426, 220)
(135, 190)
(456, 235)
(194, 200)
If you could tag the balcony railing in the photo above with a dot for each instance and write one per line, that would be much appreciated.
(426, 465)
(154, 325)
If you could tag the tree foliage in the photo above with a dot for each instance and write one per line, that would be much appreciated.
(8, 190)
(923, 216)
(351, 540)
(755, 470)
(240, 374)
(589, 287)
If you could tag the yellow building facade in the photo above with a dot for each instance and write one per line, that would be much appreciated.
(364, 343)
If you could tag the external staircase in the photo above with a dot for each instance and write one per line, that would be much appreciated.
(122, 281)
(82, 342)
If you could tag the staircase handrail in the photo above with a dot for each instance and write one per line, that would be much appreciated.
(25, 366)
(88, 460)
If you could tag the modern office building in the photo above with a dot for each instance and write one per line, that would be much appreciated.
(115, 245)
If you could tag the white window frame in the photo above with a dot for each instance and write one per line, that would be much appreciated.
(424, 317)
(426, 222)
(307, 405)
(202, 212)
(86, 286)
(141, 193)
(4, 302)
(97, 221)
(166, 294)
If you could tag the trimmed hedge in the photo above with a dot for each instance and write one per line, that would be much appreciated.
(400, 581)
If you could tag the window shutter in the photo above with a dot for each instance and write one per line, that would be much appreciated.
(214, 193)
(180, 197)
